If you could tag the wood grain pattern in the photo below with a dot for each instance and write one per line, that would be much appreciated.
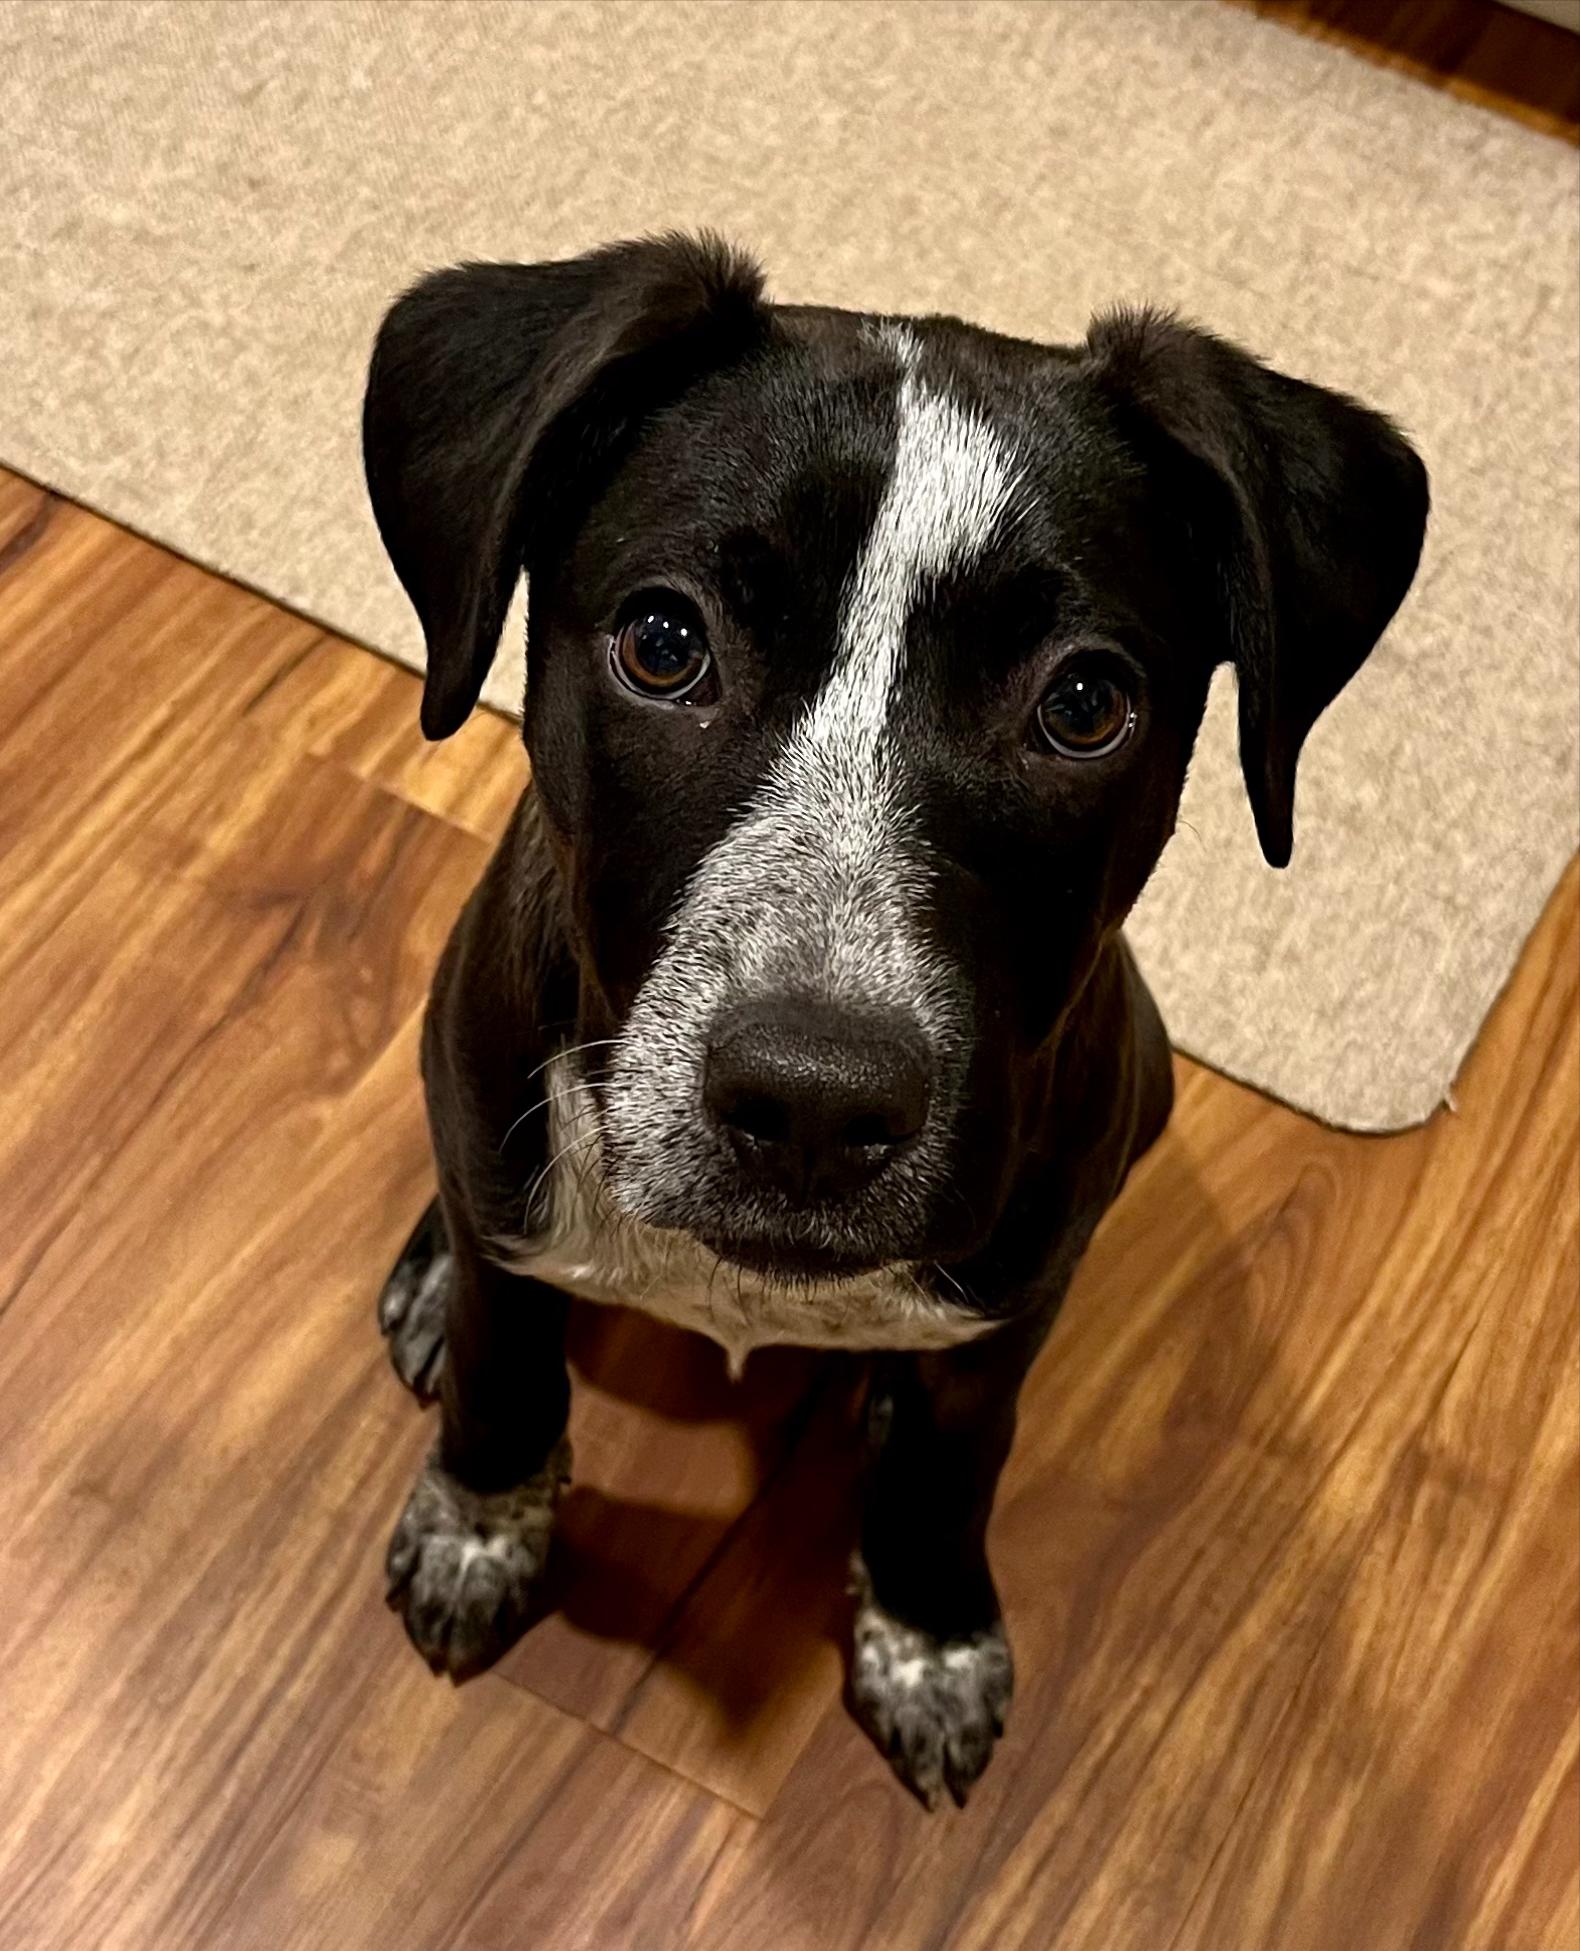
(1289, 1541)
(356, 712)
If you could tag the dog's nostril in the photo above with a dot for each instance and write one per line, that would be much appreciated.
(876, 1128)
(764, 1118)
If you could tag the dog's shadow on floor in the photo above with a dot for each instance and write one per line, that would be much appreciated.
(742, 1599)
(709, 1521)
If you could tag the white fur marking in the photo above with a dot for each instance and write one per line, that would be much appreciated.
(497, 1547)
(951, 484)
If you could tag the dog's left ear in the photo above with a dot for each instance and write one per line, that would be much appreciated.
(1309, 509)
(496, 391)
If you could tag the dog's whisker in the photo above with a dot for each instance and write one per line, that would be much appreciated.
(556, 1094)
(545, 1103)
(943, 1273)
(565, 1151)
(541, 1105)
(571, 1050)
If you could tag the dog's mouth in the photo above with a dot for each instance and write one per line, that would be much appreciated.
(788, 1263)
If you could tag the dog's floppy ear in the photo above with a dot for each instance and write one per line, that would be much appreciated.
(1309, 508)
(491, 384)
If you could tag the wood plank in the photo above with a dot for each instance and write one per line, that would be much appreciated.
(256, 744)
(473, 1819)
(749, 1661)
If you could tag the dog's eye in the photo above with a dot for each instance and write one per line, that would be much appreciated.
(660, 649)
(1087, 711)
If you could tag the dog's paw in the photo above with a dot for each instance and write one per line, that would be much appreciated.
(463, 1567)
(411, 1307)
(934, 1707)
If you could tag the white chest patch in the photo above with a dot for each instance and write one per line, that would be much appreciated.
(591, 1249)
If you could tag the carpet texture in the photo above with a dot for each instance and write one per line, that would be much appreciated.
(204, 209)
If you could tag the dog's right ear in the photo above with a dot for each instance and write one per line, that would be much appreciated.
(492, 384)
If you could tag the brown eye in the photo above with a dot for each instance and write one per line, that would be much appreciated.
(661, 649)
(1086, 712)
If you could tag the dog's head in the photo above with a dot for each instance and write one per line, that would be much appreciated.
(865, 658)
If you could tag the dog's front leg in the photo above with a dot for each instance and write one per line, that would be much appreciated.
(931, 1674)
(468, 1554)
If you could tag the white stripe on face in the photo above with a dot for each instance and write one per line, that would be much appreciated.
(951, 484)
(817, 889)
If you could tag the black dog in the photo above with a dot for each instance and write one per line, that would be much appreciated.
(865, 660)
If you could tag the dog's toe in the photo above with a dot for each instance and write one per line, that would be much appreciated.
(412, 1307)
(935, 1707)
(463, 1567)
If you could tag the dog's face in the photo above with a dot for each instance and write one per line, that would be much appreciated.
(860, 704)
(865, 663)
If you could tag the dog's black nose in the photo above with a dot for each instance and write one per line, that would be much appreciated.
(815, 1100)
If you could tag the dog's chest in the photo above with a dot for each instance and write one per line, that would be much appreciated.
(592, 1250)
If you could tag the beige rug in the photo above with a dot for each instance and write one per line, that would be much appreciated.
(203, 209)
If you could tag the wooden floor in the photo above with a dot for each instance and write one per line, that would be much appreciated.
(1288, 1545)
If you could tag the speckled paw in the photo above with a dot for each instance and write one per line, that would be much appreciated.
(463, 1568)
(934, 1707)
